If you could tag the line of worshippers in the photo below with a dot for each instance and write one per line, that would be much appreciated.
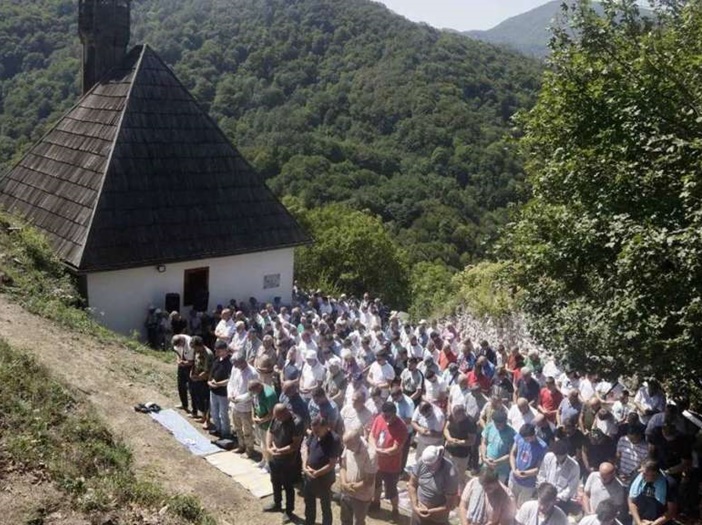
(339, 399)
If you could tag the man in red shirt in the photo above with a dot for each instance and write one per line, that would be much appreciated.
(550, 399)
(388, 435)
(446, 356)
(477, 376)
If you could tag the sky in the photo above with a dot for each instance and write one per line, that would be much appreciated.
(461, 15)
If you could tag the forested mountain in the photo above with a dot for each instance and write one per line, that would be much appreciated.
(333, 100)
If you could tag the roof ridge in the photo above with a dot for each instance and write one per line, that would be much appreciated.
(219, 130)
(115, 141)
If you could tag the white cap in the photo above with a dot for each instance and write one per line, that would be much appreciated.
(431, 454)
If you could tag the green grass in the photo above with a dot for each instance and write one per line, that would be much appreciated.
(43, 425)
(36, 279)
(45, 428)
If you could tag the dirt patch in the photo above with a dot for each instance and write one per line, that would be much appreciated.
(25, 498)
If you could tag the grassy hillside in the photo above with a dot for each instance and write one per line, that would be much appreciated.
(334, 101)
(32, 276)
(50, 436)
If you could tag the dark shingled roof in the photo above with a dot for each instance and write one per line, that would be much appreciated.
(138, 174)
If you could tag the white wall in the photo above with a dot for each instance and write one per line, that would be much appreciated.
(120, 299)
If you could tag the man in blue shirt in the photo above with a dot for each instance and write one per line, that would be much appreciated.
(525, 459)
(498, 438)
(321, 405)
(652, 496)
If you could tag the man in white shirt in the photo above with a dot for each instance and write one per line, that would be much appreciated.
(185, 357)
(238, 339)
(356, 416)
(568, 381)
(543, 511)
(381, 374)
(587, 387)
(520, 413)
(561, 471)
(307, 342)
(622, 408)
(649, 400)
(428, 423)
(435, 390)
(240, 402)
(312, 375)
(606, 515)
(603, 485)
(225, 328)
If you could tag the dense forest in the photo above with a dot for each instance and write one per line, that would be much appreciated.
(333, 101)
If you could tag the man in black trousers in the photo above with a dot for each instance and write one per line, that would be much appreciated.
(185, 356)
(319, 457)
(283, 441)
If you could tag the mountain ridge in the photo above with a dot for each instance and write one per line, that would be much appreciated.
(527, 32)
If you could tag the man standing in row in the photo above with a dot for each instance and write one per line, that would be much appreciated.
(433, 488)
(388, 435)
(219, 379)
(185, 356)
(199, 375)
(319, 458)
(283, 441)
(240, 402)
(358, 470)
(263, 399)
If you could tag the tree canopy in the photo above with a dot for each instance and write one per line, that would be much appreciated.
(352, 253)
(609, 249)
(333, 101)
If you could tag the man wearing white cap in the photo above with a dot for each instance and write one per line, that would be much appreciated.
(433, 488)
(312, 376)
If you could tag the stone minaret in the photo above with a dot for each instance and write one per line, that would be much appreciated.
(104, 27)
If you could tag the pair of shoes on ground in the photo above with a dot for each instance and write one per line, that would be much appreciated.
(145, 408)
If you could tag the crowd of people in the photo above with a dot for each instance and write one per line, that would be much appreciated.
(352, 400)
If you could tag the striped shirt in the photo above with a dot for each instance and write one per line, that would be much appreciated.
(631, 455)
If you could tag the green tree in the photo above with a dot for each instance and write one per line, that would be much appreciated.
(352, 253)
(430, 284)
(609, 249)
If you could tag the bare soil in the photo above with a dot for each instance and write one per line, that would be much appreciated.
(114, 379)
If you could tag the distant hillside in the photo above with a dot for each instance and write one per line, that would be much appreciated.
(527, 33)
(332, 100)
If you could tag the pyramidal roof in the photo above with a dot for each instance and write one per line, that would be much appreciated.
(138, 174)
